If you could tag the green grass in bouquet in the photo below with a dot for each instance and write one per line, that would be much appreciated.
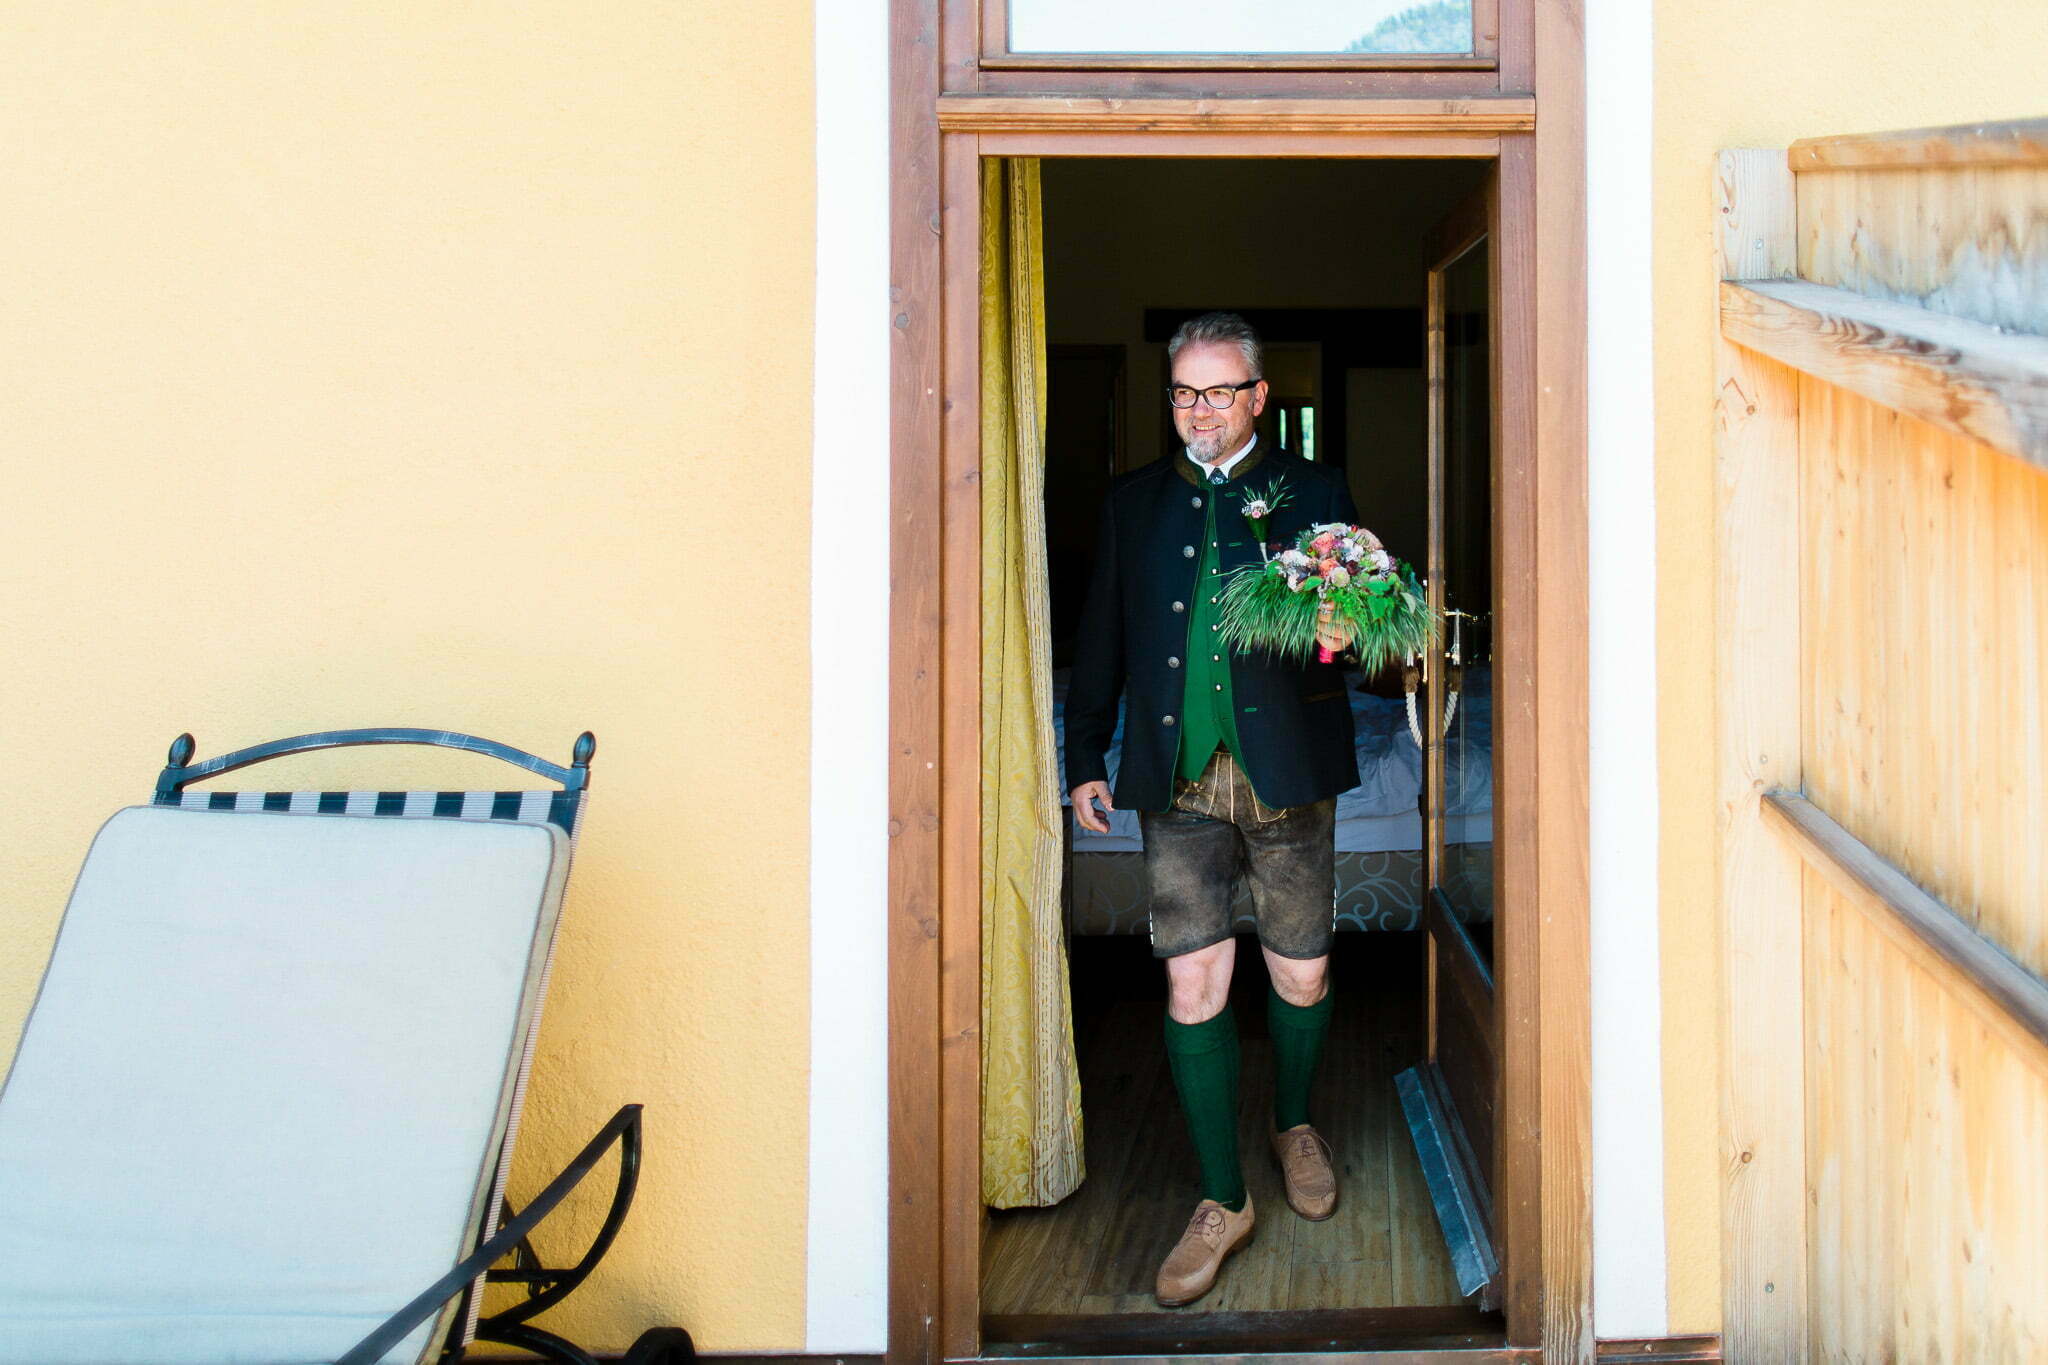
(1274, 607)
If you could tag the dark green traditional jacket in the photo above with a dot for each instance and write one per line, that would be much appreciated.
(1292, 722)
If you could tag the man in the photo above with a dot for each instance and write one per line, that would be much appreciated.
(1230, 759)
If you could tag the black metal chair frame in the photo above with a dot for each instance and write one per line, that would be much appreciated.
(545, 1288)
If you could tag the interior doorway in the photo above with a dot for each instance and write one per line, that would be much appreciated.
(1371, 286)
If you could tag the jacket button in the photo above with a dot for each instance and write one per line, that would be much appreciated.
(1194, 502)
(1180, 606)
(1187, 552)
(1172, 662)
(1166, 720)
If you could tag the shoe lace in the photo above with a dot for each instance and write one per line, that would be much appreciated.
(1309, 1143)
(1207, 1224)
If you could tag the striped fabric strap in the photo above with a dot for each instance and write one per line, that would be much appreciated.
(529, 807)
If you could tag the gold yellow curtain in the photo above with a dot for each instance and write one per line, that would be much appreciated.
(1030, 1088)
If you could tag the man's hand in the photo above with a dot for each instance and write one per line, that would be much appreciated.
(1084, 798)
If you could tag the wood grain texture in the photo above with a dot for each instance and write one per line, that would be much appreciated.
(917, 505)
(1757, 724)
(1929, 1192)
(1197, 1331)
(2013, 142)
(1964, 376)
(1212, 84)
(1073, 114)
(1154, 62)
(1924, 626)
(1966, 240)
(1659, 1350)
(1940, 939)
(1097, 1252)
(1563, 863)
(1518, 1198)
(976, 60)
(1926, 609)
(960, 848)
(995, 55)
(1446, 144)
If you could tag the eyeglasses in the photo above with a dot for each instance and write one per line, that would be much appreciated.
(1220, 397)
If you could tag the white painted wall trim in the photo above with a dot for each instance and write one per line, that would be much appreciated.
(847, 1252)
(1629, 1248)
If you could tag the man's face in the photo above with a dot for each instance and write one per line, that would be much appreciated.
(1212, 434)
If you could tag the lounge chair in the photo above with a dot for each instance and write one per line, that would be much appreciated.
(265, 1102)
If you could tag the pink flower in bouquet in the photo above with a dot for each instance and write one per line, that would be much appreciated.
(1323, 543)
(1324, 566)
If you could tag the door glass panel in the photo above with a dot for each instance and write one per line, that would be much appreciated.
(1467, 877)
(1233, 28)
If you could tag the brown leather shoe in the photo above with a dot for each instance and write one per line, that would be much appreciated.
(1213, 1235)
(1305, 1165)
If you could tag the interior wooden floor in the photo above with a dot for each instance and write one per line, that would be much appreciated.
(1097, 1252)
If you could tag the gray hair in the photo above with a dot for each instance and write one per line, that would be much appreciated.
(1224, 329)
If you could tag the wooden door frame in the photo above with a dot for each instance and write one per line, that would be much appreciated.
(939, 131)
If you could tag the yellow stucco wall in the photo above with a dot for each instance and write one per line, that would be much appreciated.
(387, 363)
(1754, 73)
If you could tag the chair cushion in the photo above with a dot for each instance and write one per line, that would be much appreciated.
(256, 1106)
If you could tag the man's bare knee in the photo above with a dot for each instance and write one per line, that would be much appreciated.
(1299, 981)
(1198, 983)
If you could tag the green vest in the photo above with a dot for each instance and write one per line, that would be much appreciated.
(1208, 706)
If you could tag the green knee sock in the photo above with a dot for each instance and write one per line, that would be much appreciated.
(1204, 1060)
(1297, 1045)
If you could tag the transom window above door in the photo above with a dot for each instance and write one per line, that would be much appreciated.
(1345, 30)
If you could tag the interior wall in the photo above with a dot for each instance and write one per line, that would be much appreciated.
(1124, 235)
(1747, 73)
(423, 365)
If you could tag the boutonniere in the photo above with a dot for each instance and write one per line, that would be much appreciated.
(1259, 506)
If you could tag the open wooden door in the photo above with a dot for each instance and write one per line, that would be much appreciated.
(1450, 1099)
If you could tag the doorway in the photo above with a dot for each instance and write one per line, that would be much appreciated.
(1333, 262)
(1543, 1201)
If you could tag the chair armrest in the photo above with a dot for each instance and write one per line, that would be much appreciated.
(624, 1124)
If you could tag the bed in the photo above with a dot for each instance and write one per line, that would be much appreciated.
(1379, 825)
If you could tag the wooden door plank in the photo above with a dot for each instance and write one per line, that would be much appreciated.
(1042, 1261)
(1960, 375)
(1082, 114)
(1346, 1260)
(2011, 998)
(2011, 142)
(916, 503)
(1757, 641)
(960, 760)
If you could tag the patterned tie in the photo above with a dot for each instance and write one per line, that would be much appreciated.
(1216, 477)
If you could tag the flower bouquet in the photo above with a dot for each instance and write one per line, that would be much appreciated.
(1333, 572)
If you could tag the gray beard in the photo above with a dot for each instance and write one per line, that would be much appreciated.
(1208, 449)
